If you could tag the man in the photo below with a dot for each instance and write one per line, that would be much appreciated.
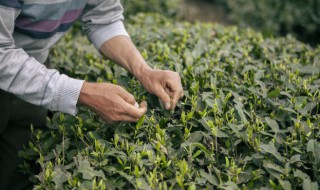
(28, 88)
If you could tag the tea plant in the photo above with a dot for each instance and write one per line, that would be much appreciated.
(169, 8)
(299, 18)
(249, 119)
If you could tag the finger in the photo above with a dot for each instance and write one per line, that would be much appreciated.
(136, 112)
(175, 98)
(164, 97)
(128, 114)
(168, 91)
(175, 84)
(182, 94)
(144, 105)
(176, 91)
(143, 108)
(128, 118)
(129, 98)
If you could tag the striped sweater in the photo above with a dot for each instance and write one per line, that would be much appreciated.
(28, 28)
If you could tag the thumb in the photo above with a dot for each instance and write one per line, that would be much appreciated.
(164, 97)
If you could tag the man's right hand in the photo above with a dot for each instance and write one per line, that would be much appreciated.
(111, 102)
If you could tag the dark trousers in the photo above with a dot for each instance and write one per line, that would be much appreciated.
(15, 120)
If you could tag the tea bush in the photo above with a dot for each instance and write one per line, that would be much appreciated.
(170, 8)
(249, 120)
(300, 18)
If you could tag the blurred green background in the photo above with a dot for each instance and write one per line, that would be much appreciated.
(299, 18)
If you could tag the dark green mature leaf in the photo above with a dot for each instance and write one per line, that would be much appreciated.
(60, 176)
(307, 184)
(273, 93)
(270, 148)
(285, 184)
(210, 178)
(307, 108)
(313, 146)
(87, 171)
(273, 124)
(273, 169)
(241, 113)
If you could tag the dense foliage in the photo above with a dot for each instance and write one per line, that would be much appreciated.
(250, 117)
(298, 17)
(168, 8)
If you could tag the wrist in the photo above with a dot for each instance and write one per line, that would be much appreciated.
(141, 71)
(84, 94)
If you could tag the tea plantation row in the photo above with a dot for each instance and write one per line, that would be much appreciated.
(300, 18)
(169, 8)
(250, 117)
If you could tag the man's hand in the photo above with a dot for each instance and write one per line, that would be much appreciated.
(163, 83)
(111, 102)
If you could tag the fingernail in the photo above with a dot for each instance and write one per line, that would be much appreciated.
(136, 104)
(167, 105)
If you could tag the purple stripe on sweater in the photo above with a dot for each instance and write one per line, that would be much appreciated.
(12, 3)
(47, 25)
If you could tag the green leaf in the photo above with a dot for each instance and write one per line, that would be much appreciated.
(309, 69)
(142, 184)
(285, 184)
(300, 174)
(199, 48)
(87, 171)
(313, 146)
(295, 158)
(202, 147)
(307, 108)
(270, 148)
(236, 129)
(274, 93)
(273, 169)
(286, 94)
(273, 124)
(205, 95)
(210, 102)
(241, 114)
(222, 134)
(140, 122)
(60, 176)
(210, 178)
(195, 136)
(308, 185)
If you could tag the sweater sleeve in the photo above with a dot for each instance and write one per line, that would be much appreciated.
(103, 20)
(28, 79)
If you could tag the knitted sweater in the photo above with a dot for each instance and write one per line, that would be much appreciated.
(28, 28)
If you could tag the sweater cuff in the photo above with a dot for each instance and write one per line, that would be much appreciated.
(103, 34)
(67, 95)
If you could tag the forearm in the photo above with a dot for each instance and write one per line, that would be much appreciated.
(121, 50)
(27, 78)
